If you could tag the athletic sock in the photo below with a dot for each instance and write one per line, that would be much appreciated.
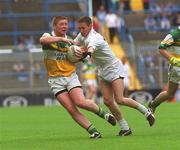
(155, 103)
(142, 109)
(101, 113)
(123, 124)
(91, 129)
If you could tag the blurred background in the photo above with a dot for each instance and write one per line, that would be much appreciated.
(139, 27)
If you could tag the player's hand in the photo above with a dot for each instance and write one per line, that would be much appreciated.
(79, 52)
(175, 61)
(72, 42)
(67, 40)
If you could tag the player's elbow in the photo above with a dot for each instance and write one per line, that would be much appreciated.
(43, 40)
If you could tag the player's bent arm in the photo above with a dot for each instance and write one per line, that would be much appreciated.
(47, 39)
(164, 53)
(173, 60)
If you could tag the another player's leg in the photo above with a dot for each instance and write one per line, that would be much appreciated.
(117, 86)
(79, 99)
(124, 127)
(163, 96)
(113, 107)
(66, 102)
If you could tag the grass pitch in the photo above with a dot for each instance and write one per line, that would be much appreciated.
(51, 128)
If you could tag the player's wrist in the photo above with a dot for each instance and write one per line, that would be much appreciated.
(171, 60)
(175, 61)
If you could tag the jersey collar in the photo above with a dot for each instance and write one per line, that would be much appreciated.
(53, 34)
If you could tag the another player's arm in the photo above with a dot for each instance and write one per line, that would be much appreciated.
(84, 51)
(79, 52)
(165, 54)
(47, 39)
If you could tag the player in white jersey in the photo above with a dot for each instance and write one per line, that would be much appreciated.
(111, 73)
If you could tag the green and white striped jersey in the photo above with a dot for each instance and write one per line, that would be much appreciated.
(171, 43)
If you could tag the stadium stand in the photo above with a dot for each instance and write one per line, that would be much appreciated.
(24, 19)
(33, 17)
(142, 43)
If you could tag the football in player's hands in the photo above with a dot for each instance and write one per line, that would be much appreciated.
(74, 54)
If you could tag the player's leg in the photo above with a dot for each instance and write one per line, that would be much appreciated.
(163, 96)
(78, 98)
(113, 107)
(91, 93)
(66, 102)
(118, 88)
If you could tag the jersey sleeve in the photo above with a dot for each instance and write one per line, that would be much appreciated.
(167, 42)
(46, 34)
(93, 42)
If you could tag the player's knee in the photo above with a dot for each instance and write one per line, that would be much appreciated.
(80, 104)
(121, 101)
(72, 111)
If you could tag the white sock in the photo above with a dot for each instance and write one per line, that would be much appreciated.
(142, 109)
(123, 124)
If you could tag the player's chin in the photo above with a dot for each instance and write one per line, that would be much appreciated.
(63, 32)
(84, 34)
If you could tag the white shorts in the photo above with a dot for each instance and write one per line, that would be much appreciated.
(61, 84)
(174, 74)
(112, 72)
(126, 82)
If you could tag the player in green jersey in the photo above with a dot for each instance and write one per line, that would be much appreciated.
(170, 49)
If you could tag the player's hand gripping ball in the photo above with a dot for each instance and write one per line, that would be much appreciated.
(71, 54)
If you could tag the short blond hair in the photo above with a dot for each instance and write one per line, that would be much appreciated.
(56, 19)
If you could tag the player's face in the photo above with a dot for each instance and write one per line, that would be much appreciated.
(84, 29)
(61, 27)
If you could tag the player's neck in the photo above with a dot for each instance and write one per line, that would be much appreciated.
(60, 35)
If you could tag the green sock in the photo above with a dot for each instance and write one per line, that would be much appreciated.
(101, 113)
(91, 129)
(155, 103)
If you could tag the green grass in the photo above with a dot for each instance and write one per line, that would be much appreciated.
(51, 128)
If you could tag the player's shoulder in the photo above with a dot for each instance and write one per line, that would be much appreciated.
(46, 34)
(175, 33)
(96, 36)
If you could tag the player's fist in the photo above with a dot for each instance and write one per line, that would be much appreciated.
(175, 61)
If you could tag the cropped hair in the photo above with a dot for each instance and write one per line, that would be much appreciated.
(56, 19)
(86, 20)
